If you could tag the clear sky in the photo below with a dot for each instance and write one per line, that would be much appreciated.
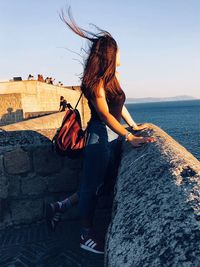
(159, 42)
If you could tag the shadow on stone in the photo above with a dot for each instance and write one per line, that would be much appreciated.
(11, 116)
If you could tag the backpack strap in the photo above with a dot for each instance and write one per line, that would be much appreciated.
(78, 100)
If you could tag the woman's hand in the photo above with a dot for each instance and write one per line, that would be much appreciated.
(138, 141)
(140, 127)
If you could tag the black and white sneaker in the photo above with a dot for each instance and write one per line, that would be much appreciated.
(53, 215)
(90, 243)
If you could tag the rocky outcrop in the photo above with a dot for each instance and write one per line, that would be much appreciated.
(156, 210)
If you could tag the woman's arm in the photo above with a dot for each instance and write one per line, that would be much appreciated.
(102, 109)
(100, 104)
(129, 120)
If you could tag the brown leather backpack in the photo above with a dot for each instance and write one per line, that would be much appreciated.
(70, 137)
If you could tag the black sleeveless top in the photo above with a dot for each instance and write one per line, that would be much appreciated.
(115, 105)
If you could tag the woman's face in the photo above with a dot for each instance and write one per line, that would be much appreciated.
(118, 58)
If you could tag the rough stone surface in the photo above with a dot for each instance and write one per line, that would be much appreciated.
(29, 210)
(156, 210)
(33, 185)
(64, 182)
(46, 161)
(17, 161)
(14, 185)
(47, 177)
(25, 139)
(3, 187)
(1, 165)
(155, 217)
(3, 181)
(5, 215)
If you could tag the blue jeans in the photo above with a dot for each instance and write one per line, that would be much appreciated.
(101, 159)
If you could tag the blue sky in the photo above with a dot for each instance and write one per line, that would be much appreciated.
(159, 41)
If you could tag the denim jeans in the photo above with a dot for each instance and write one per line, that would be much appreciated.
(101, 159)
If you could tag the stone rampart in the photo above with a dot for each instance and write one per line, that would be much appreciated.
(31, 97)
(52, 121)
(31, 174)
(156, 209)
(11, 109)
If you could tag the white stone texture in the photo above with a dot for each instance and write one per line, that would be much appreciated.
(156, 210)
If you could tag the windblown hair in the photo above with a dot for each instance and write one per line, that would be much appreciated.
(100, 65)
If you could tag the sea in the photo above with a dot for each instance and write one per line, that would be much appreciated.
(180, 119)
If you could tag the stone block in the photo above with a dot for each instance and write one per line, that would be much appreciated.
(17, 161)
(14, 186)
(45, 161)
(1, 165)
(3, 181)
(33, 185)
(5, 221)
(65, 182)
(3, 187)
(25, 211)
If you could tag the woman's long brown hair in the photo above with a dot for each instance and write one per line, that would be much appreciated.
(100, 65)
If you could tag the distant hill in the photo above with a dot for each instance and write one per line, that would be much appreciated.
(157, 99)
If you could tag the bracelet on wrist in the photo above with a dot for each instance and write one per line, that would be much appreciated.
(127, 135)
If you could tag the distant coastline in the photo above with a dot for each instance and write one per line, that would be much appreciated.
(157, 99)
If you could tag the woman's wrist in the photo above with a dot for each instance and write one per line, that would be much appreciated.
(134, 126)
(128, 136)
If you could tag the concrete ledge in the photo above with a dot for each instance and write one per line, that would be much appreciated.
(156, 210)
(51, 121)
(28, 97)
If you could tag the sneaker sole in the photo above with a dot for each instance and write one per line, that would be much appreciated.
(90, 249)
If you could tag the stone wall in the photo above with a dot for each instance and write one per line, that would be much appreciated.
(31, 174)
(45, 122)
(11, 109)
(36, 97)
(156, 209)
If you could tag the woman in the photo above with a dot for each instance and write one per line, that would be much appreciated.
(101, 87)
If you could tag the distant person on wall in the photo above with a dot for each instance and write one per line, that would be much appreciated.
(30, 77)
(101, 86)
(59, 84)
(40, 78)
(51, 80)
(47, 80)
(63, 104)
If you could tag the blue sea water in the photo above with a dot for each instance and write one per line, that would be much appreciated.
(180, 119)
